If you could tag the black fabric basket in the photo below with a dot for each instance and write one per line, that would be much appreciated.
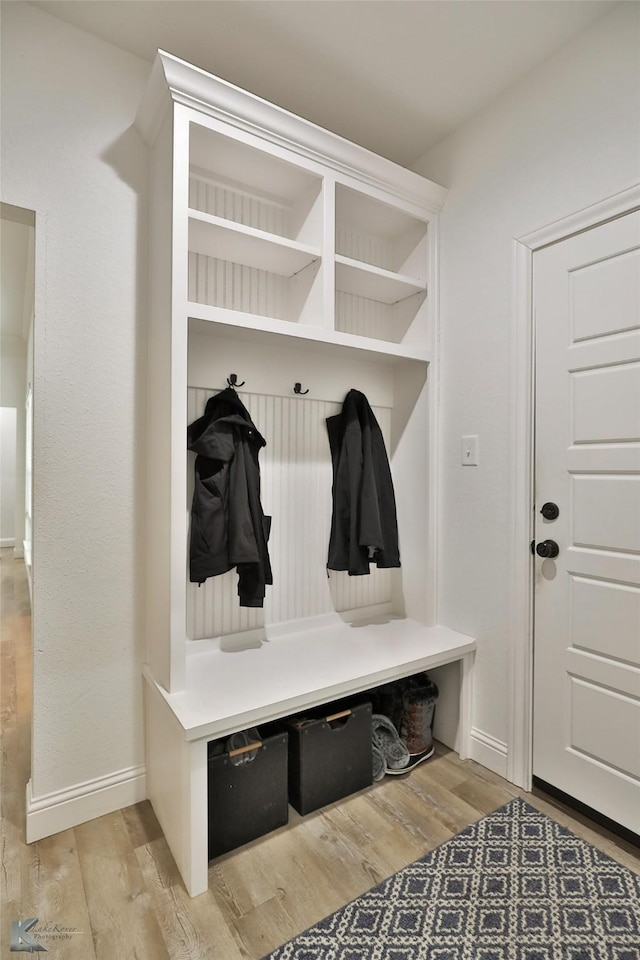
(329, 756)
(248, 800)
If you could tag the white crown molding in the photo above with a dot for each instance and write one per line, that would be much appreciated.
(617, 205)
(174, 81)
(63, 809)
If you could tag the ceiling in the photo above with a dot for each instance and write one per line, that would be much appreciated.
(396, 76)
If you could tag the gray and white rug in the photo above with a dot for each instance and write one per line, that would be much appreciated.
(513, 886)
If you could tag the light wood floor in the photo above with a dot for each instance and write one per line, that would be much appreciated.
(115, 882)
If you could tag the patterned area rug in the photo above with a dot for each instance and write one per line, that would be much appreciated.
(514, 886)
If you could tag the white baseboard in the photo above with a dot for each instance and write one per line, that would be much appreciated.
(488, 751)
(64, 809)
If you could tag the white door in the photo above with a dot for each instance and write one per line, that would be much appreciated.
(587, 599)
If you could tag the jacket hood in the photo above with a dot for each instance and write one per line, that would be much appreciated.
(224, 415)
(207, 435)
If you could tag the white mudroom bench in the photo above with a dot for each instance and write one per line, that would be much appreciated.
(245, 682)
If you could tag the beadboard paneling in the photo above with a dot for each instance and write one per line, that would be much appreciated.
(365, 247)
(220, 283)
(296, 479)
(238, 206)
(366, 318)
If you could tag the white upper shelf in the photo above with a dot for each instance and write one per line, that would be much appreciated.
(207, 319)
(374, 283)
(228, 240)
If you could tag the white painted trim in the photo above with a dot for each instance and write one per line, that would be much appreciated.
(18, 551)
(7, 542)
(520, 673)
(488, 751)
(67, 808)
(466, 703)
(520, 668)
(616, 206)
(434, 466)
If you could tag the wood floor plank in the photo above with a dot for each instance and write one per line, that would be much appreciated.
(192, 929)
(123, 918)
(244, 878)
(141, 823)
(328, 852)
(482, 796)
(401, 842)
(53, 891)
(266, 928)
(11, 851)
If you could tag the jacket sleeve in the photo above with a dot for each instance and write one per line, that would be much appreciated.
(369, 522)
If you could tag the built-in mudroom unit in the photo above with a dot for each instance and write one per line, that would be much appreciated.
(290, 266)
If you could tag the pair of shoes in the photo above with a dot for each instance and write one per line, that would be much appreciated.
(379, 763)
(387, 744)
(414, 760)
(419, 698)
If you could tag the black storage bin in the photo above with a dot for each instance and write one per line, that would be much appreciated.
(246, 799)
(329, 756)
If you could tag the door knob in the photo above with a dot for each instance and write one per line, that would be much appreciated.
(548, 549)
(550, 511)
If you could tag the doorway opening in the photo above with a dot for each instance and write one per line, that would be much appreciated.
(17, 302)
(17, 293)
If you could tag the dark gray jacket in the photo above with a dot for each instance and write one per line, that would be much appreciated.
(228, 526)
(364, 526)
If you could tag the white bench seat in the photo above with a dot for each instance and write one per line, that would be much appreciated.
(239, 684)
(228, 690)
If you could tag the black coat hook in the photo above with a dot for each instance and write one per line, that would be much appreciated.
(297, 388)
(232, 381)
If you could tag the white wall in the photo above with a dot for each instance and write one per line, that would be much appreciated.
(565, 137)
(69, 152)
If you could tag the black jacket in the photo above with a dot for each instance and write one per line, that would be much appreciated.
(364, 526)
(228, 526)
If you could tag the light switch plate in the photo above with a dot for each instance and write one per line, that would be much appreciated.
(470, 451)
